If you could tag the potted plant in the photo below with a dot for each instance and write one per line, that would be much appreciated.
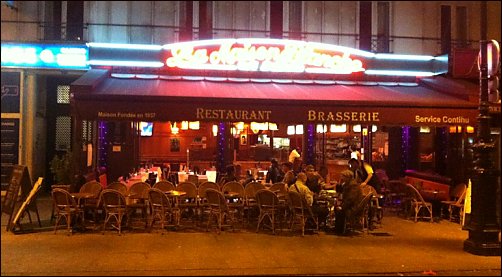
(63, 169)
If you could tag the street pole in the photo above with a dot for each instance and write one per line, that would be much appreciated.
(482, 225)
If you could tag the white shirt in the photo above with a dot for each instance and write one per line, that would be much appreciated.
(293, 155)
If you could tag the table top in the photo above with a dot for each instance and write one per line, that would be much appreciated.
(175, 193)
(83, 195)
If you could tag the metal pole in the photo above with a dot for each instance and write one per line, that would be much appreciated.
(482, 225)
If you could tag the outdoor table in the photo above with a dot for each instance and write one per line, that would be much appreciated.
(82, 195)
(176, 194)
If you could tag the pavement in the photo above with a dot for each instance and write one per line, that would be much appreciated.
(399, 247)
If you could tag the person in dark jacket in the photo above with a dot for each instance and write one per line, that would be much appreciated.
(274, 174)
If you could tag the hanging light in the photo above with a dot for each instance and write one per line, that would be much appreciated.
(215, 130)
(272, 126)
(184, 125)
(356, 128)
(255, 127)
(333, 128)
(291, 130)
(320, 128)
(239, 126)
(175, 130)
(194, 125)
(299, 129)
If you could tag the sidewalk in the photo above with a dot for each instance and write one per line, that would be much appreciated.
(399, 248)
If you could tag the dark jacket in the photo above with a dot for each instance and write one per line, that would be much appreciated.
(274, 174)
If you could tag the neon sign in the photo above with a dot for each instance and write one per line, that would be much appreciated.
(45, 56)
(261, 55)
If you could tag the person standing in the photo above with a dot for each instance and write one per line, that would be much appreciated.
(274, 173)
(295, 154)
(364, 174)
(289, 174)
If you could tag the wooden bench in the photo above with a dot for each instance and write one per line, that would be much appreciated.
(431, 186)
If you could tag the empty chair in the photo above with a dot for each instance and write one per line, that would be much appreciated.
(218, 208)
(91, 204)
(114, 205)
(279, 187)
(138, 196)
(162, 209)
(419, 206)
(164, 186)
(118, 186)
(188, 203)
(250, 204)
(300, 211)
(65, 207)
(268, 203)
(456, 202)
(238, 200)
(193, 179)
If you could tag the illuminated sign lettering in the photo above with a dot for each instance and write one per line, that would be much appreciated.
(262, 55)
(45, 56)
(354, 116)
(223, 114)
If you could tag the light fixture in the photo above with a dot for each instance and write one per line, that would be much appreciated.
(470, 129)
(291, 130)
(299, 129)
(338, 128)
(272, 126)
(320, 128)
(194, 125)
(174, 130)
(356, 128)
(184, 125)
(425, 129)
(215, 130)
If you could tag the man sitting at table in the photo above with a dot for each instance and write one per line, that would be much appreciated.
(352, 195)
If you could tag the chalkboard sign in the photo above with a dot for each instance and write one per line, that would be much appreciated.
(28, 204)
(20, 179)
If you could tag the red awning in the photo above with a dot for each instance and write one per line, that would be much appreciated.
(99, 96)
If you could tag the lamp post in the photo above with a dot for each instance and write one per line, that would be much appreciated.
(482, 224)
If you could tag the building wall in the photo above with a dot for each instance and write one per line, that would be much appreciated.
(414, 25)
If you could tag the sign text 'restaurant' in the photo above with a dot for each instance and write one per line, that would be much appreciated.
(224, 114)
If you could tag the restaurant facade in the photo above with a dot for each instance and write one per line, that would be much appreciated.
(248, 96)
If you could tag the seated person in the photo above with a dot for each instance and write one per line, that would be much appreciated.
(230, 176)
(289, 174)
(314, 180)
(300, 187)
(351, 197)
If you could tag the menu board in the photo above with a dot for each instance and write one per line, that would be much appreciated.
(10, 148)
(20, 179)
(29, 203)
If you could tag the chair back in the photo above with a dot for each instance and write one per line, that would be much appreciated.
(216, 199)
(193, 178)
(266, 199)
(233, 186)
(278, 187)
(112, 200)
(296, 201)
(63, 201)
(164, 186)
(252, 187)
(140, 188)
(91, 187)
(201, 191)
(189, 188)
(458, 193)
(158, 199)
(119, 186)
(415, 194)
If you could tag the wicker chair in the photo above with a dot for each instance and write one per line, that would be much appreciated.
(91, 205)
(65, 207)
(358, 218)
(188, 203)
(238, 201)
(269, 206)
(250, 204)
(164, 186)
(162, 209)
(138, 196)
(456, 203)
(118, 186)
(418, 204)
(115, 207)
(218, 208)
(300, 211)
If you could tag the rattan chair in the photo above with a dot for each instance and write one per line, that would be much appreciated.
(269, 206)
(162, 209)
(456, 204)
(358, 218)
(420, 207)
(188, 203)
(218, 208)
(118, 186)
(138, 196)
(300, 211)
(250, 204)
(164, 186)
(115, 207)
(91, 205)
(238, 201)
(65, 207)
